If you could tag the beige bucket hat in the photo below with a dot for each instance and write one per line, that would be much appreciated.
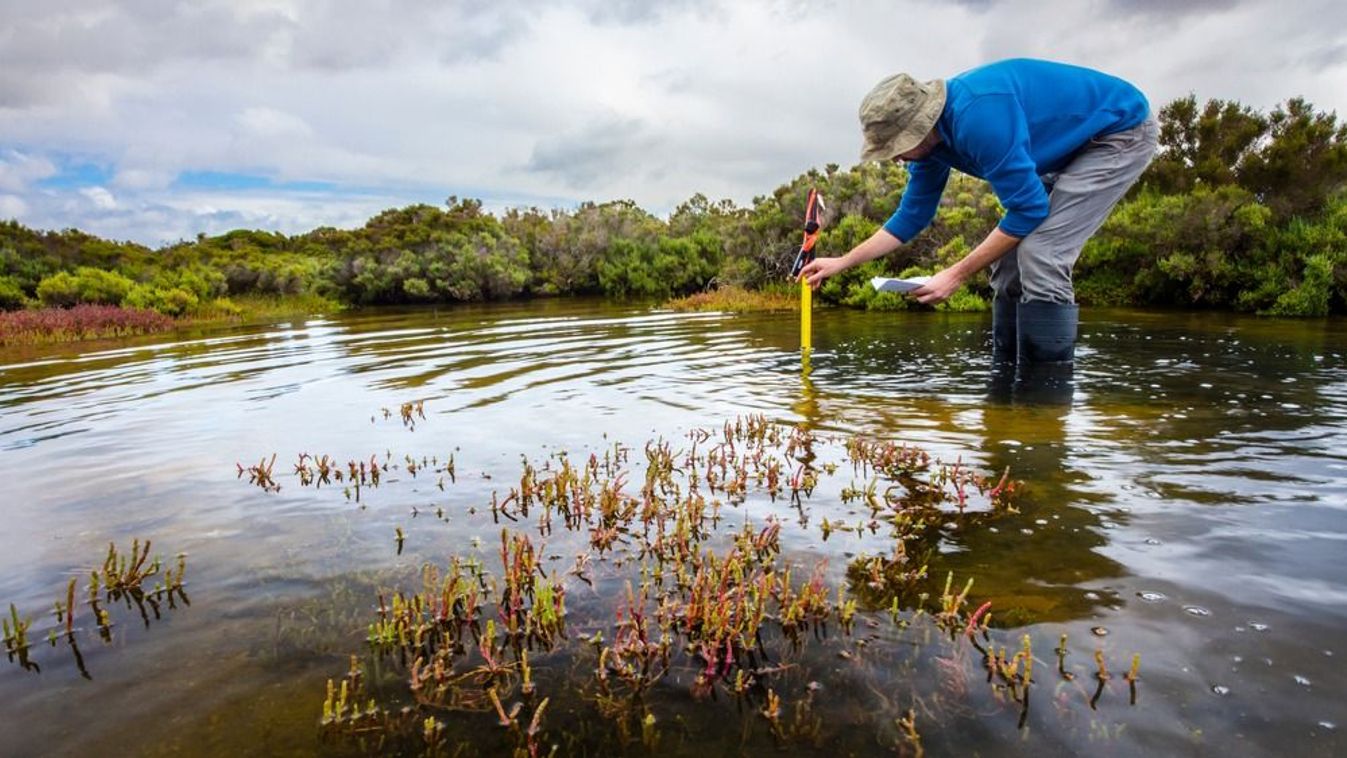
(898, 114)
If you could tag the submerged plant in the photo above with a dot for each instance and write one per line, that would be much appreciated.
(16, 638)
(121, 577)
(716, 608)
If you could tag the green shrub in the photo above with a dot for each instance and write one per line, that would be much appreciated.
(85, 285)
(964, 300)
(1311, 296)
(668, 266)
(12, 296)
(171, 301)
(416, 288)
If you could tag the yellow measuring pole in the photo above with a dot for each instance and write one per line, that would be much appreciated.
(806, 306)
(802, 259)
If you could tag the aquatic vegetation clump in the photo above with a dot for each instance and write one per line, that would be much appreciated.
(122, 578)
(720, 610)
(409, 412)
(260, 474)
(16, 638)
(690, 584)
(355, 475)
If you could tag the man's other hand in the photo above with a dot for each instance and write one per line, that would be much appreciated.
(938, 288)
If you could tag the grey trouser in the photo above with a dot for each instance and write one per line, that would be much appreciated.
(1080, 198)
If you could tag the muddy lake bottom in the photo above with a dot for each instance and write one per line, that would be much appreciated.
(1183, 497)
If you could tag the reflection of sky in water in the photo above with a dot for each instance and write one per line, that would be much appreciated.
(1201, 460)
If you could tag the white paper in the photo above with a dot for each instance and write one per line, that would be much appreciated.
(885, 284)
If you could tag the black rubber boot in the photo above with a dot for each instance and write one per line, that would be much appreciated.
(1046, 332)
(1047, 350)
(1004, 316)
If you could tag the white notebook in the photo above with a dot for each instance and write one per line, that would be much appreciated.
(885, 284)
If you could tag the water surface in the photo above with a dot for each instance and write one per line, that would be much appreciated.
(1188, 495)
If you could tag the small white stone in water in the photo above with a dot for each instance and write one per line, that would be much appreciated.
(1302, 681)
(1196, 610)
(1220, 689)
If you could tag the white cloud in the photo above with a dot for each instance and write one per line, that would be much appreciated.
(271, 123)
(100, 197)
(142, 178)
(586, 99)
(18, 169)
(12, 206)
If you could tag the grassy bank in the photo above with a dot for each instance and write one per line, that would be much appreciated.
(738, 300)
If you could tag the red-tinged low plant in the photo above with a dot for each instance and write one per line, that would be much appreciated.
(80, 322)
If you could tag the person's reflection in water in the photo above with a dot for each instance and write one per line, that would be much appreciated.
(1031, 384)
(1031, 565)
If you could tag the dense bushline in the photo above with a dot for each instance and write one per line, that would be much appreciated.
(1241, 210)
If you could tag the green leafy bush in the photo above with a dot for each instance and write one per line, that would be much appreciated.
(171, 301)
(86, 285)
(12, 296)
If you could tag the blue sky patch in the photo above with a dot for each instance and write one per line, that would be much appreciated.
(76, 174)
(227, 180)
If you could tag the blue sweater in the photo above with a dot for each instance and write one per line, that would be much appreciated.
(1009, 122)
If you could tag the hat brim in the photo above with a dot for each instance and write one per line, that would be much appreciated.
(922, 124)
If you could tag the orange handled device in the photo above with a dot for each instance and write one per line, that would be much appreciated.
(811, 230)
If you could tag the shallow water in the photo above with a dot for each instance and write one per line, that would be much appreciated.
(1187, 496)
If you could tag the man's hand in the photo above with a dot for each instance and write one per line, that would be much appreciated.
(938, 288)
(819, 269)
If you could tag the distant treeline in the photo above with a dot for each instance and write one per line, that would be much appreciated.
(1241, 210)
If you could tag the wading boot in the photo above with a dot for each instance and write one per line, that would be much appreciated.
(1047, 350)
(1046, 332)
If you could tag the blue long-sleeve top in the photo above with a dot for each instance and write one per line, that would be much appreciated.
(1008, 123)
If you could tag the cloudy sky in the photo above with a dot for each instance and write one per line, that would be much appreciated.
(154, 120)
